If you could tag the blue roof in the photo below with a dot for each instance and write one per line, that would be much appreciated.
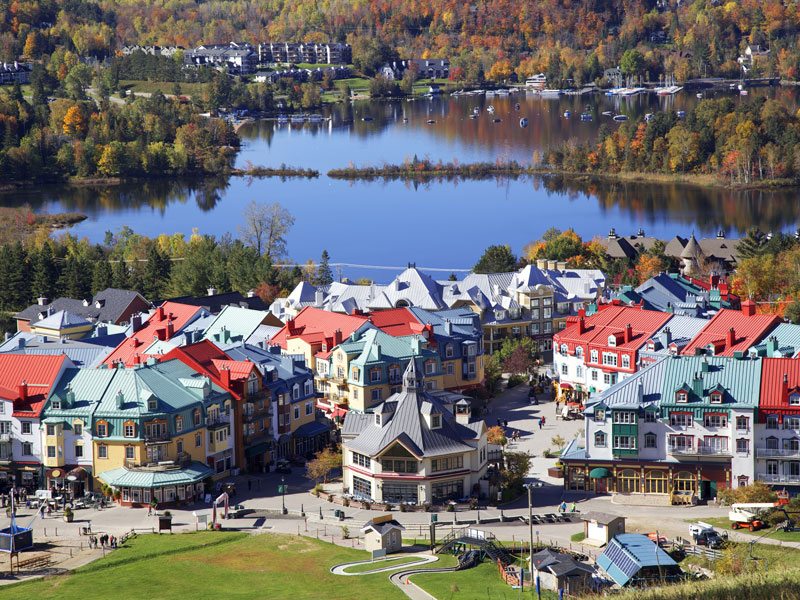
(628, 553)
(311, 429)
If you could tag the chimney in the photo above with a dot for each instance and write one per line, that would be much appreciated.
(23, 390)
(628, 333)
(665, 337)
(21, 342)
(226, 334)
(42, 300)
(160, 313)
(704, 365)
(748, 307)
(730, 338)
(136, 322)
(772, 347)
(120, 400)
(697, 385)
(541, 263)
(337, 337)
(377, 351)
(561, 265)
(551, 265)
(581, 325)
(290, 326)
(170, 329)
(135, 342)
(581, 312)
(251, 293)
(137, 359)
(318, 298)
(785, 389)
(85, 302)
(225, 377)
(463, 410)
(212, 291)
(448, 327)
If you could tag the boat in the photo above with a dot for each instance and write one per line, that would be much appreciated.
(405, 119)
(298, 118)
(473, 116)
(648, 116)
(566, 114)
(430, 121)
(668, 90)
(283, 119)
(523, 122)
(490, 92)
(699, 94)
(366, 119)
(490, 109)
(550, 93)
(495, 120)
(315, 118)
(607, 113)
(620, 118)
(476, 110)
(743, 92)
(587, 116)
(680, 114)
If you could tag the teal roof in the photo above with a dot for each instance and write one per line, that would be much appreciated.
(122, 477)
(237, 322)
(787, 337)
(391, 348)
(740, 378)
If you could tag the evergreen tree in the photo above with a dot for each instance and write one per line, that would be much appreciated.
(102, 277)
(19, 280)
(496, 259)
(156, 274)
(324, 274)
(45, 274)
(452, 277)
(120, 275)
(75, 279)
(5, 269)
(752, 244)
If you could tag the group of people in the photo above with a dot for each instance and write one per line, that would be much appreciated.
(102, 541)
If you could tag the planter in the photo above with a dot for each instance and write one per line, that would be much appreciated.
(556, 472)
(68, 518)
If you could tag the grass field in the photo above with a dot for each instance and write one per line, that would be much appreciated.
(480, 583)
(165, 87)
(213, 565)
(784, 536)
(398, 562)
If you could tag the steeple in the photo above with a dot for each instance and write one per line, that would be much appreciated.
(411, 379)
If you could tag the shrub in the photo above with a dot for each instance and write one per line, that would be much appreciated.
(473, 503)
(389, 506)
(450, 508)
(345, 532)
(330, 497)
(547, 453)
(317, 489)
(515, 380)
(403, 508)
(427, 507)
(68, 512)
(755, 492)
(167, 513)
(367, 505)
(346, 502)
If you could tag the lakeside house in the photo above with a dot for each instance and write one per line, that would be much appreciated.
(292, 52)
(416, 447)
(426, 68)
(11, 72)
(166, 51)
(680, 295)
(236, 58)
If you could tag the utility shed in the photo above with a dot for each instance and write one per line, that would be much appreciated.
(634, 558)
(383, 533)
(559, 571)
(600, 527)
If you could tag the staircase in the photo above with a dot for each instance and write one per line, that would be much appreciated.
(488, 547)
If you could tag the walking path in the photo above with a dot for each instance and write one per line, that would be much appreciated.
(423, 559)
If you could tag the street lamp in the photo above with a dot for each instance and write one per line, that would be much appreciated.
(530, 486)
(283, 496)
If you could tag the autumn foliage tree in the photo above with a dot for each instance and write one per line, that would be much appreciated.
(323, 463)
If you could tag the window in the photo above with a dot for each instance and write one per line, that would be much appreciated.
(179, 446)
(448, 489)
(593, 355)
(742, 423)
(564, 369)
(436, 421)
(655, 482)
(677, 419)
(77, 429)
(547, 313)
(102, 431)
(624, 417)
(579, 351)
(198, 440)
(296, 392)
(78, 450)
(626, 361)
(430, 368)
(130, 452)
(26, 426)
(599, 415)
(51, 452)
(772, 421)
(680, 443)
(450, 368)
(600, 439)
(715, 444)
(579, 371)
(51, 429)
(27, 449)
(308, 387)
(197, 419)
(649, 416)
(624, 442)
(650, 440)
(714, 420)
(628, 481)
(610, 359)
(449, 351)
(128, 430)
(447, 464)
(682, 397)
(399, 466)
(594, 375)
(179, 424)
(376, 395)
(102, 452)
(716, 398)
(534, 329)
(361, 460)
(684, 481)
(362, 488)
(152, 404)
(564, 350)
(56, 404)
(609, 378)
(309, 408)
(296, 413)
(375, 375)
(794, 400)
(791, 423)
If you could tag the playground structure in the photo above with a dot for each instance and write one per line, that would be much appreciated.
(14, 538)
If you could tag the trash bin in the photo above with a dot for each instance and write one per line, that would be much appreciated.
(341, 515)
(336, 512)
(434, 518)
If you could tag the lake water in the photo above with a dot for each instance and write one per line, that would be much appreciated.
(440, 224)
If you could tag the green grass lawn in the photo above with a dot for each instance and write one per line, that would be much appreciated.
(479, 583)
(165, 87)
(784, 536)
(398, 562)
(213, 565)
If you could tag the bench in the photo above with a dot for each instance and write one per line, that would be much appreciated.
(35, 563)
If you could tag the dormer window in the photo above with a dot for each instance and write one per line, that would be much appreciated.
(375, 375)
(499, 315)
(673, 350)
(324, 347)
(56, 404)
(378, 419)
(716, 398)
(449, 351)
(651, 346)
(436, 421)
(612, 341)
(682, 397)
(579, 351)
(794, 400)
(152, 404)
(594, 356)
(564, 349)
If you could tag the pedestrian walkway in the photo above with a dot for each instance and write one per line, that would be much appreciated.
(423, 560)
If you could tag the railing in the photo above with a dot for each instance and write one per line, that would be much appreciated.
(698, 450)
(156, 437)
(777, 478)
(777, 452)
(222, 419)
(5, 437)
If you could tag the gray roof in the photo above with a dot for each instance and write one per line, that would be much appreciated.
(402, 421)
(558, 563)
(679, 330)
(81, 352)
(63, 319)
(600, 517)
(641, 388)
(108, 305)
(382, 528)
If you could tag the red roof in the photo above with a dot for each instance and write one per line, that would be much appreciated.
(397, 322)
(774, 395)
(39, 372)
(748, 330)
(204, 357)
(613, 319)
(160, 326)
(314, 326)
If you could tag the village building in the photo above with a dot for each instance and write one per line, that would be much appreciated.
(109, 306)
(635, 560)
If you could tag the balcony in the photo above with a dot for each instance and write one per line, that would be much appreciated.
(156, 437)
(699, 450)
(395, 379)
(181, 460)
(777, 478)
(777, 453)
(5, 437)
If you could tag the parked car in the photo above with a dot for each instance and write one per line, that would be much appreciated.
(283, 466)
(709, 538)
(237, 511)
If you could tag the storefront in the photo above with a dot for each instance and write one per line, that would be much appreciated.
(311, 437)
(164, 485)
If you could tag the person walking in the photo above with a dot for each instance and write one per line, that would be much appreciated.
(573, 508)
(563, 507)
(540, 422)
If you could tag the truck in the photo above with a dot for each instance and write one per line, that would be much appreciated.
(704, 534)
(748, 516)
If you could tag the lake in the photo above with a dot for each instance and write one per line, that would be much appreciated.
(439, 224)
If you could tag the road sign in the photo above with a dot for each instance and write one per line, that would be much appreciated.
(281, 489)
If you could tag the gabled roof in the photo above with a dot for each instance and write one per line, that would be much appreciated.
(739, 378)
(613, 319)
(628, 553)
(217, 302)
(748, 331)
(313, 325)
(39, 373)
(203, 357)
(786, 342)
(108, 305)
(62, 319)
(235, 323)
(640, 389)
(155, 327)
(774, 395)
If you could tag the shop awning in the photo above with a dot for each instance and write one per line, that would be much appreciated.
(122, 477)
(77, 474)
(565, 386)
(338, 413)
(311, 429)
(599, 473)
(257, 449)
(56, 473)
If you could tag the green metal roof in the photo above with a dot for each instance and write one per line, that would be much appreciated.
(391, 348)
(740, 378)
(122, 477)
